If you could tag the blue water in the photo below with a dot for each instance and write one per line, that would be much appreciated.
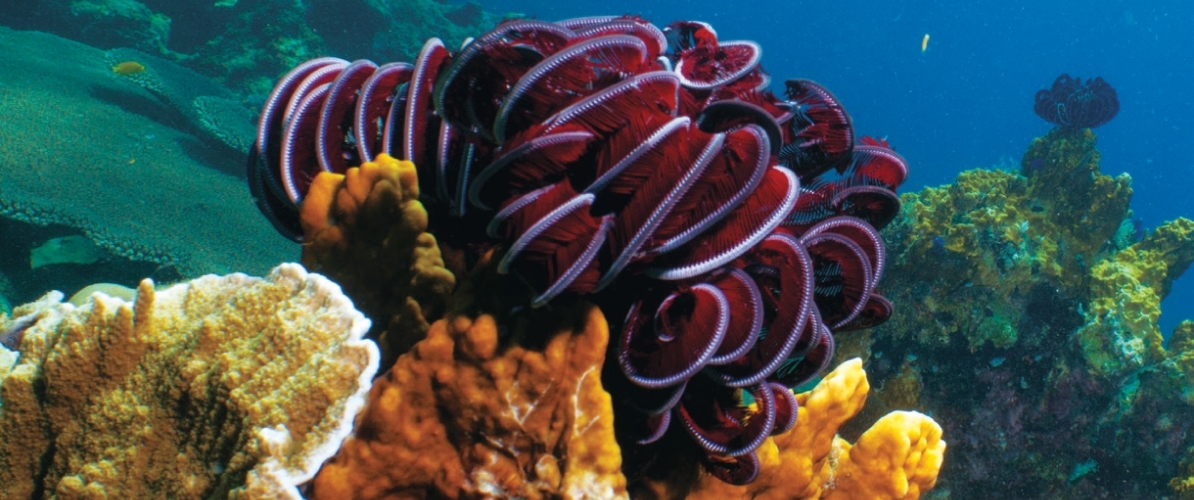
(966, 102)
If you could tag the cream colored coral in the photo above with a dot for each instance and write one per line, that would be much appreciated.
(220, 387)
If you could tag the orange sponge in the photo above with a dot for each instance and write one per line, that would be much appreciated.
(469, 413)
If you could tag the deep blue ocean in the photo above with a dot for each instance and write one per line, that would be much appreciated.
(966, 101)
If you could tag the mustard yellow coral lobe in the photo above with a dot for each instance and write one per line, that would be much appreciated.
(367, 230)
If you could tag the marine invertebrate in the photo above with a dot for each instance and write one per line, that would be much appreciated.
(1072, 103)
(898, 457)
(603, 154)
(367, 231)
(469, 412)
(213, 387)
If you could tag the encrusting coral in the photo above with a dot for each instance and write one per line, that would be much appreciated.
(996, 234)
(1122, 330)
(219, 387)
(482, 409)
(367, 230)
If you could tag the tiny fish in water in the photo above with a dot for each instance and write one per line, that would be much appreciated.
(924, 43)
(128, 68)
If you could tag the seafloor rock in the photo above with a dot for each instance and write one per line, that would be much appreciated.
(222, 386)
(367, 230)
(1028, 325)
(86, 148)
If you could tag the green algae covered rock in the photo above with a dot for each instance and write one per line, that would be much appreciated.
(1121, 329)
(1027, 308)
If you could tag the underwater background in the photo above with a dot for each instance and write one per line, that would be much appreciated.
(1043, 362)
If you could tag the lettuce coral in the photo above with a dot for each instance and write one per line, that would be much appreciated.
(219, 387)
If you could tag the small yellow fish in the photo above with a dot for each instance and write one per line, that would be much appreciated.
(924, 44)
(128, 68)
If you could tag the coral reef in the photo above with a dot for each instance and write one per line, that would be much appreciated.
(222, 386)
(665, 189)
(71, 126)
(1184, 485)
(367, 230)
(1181, 356)
(213, 112)
(1032, 314)
(502, 400)
(491, 398)
(1000, 239)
